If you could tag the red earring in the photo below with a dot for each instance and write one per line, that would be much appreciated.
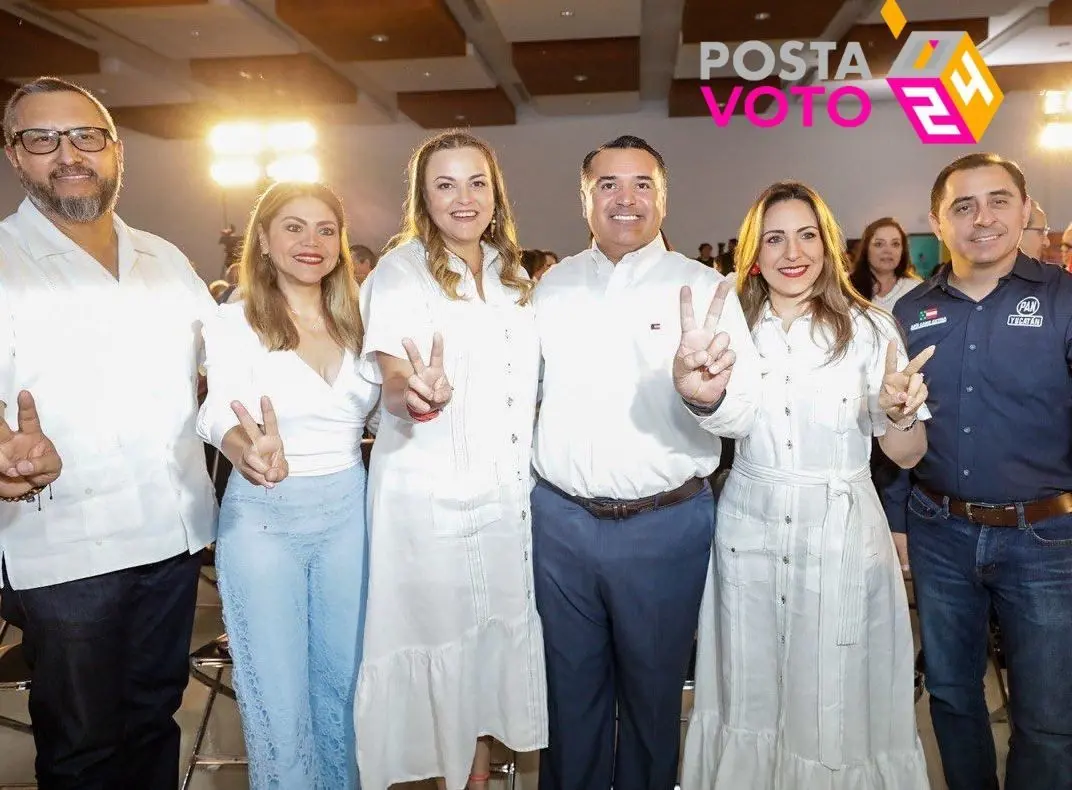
(754, 270)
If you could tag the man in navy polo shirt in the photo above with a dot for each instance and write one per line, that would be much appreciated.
(989, 517)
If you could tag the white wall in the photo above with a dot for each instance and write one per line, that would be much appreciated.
(878, 169)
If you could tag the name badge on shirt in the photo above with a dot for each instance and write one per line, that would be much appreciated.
(1025, 313)
(928, 317)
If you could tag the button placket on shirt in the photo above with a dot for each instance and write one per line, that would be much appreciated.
(518, 453)
(971, 363)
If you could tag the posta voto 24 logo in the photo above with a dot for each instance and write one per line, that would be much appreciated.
(939, 78)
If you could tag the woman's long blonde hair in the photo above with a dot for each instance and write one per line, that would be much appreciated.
(833, 297)
(417, 223)
(265, 306)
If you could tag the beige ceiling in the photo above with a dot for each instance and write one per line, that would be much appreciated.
(170, 66)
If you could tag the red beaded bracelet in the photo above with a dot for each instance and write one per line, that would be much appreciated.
(422, 417)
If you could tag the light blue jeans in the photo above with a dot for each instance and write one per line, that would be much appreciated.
(292, 566)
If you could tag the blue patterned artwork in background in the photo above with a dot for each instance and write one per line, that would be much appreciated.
(926, 252)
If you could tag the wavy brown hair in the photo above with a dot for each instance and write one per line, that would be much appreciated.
(417, 223)
(833, 296)
(265, 306)
(862, 278)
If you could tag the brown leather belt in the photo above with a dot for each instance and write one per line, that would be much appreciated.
(1004, 515)
(627, 508)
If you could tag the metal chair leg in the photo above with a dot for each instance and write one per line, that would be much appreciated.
(202, 728)
(15, 724)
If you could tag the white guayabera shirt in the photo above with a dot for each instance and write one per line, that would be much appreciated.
(112, 365)
(611, 422)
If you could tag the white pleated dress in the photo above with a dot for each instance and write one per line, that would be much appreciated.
(804, 675)
(453, 642)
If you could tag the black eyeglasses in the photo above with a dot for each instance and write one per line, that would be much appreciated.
(89, 139)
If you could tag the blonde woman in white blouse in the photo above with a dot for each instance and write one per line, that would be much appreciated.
(805, 663)
(286, 406)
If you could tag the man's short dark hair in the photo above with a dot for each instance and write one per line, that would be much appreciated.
(359, 252)
(972, 162)
(625, 142)
(51, 85)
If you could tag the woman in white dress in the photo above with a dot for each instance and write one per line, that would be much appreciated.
(805, 663)
(882, 270)
(453, 643)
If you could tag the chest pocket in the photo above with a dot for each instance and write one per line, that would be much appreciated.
(1026, 346)
(839, 397)
(59, 334)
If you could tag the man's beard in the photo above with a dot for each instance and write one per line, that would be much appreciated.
(85, 208)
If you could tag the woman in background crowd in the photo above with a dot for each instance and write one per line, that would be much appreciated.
(883, 270)
(537, 263)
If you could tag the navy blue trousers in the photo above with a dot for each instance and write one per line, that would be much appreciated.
(620, 601)
(108, 658)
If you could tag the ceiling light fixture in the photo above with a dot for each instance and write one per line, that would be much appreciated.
(566, 13)
(380, 38)
(762, 16)
(580, 77)
(427, 74)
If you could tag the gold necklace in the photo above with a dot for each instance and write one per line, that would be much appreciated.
(315, 327)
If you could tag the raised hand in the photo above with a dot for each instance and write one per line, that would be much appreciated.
(427, 390)
(704, 361)
(263, 462)
(903, 391)
(28, 459)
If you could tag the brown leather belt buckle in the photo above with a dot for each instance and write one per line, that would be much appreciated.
(623, 510)
(991, 515)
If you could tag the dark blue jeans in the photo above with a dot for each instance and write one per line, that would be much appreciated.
(620, 602)
(960, 571)
(108, 660)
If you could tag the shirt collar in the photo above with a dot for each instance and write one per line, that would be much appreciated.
(768, 314)
(1023, 267)
(458, 266)
(44, 239)
(637, 259)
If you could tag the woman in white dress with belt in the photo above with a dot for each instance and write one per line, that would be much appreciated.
(453, 643)
(805, 663)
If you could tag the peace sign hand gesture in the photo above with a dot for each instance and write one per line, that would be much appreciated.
(704, 361)
(428, 389)
(28, 459)
(903, 391)
(263, 462)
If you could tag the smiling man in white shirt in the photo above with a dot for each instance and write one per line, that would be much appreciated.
(101, 324)
(622, 515)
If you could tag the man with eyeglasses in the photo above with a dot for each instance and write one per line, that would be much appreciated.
(99, 346)
(1036, 238)
(1066, 248)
